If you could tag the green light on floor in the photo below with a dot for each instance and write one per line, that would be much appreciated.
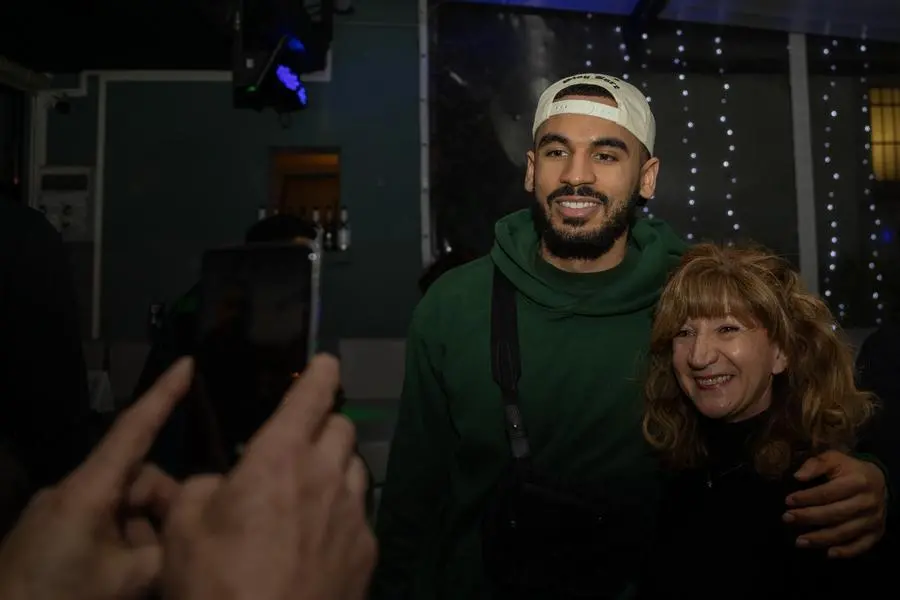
(251, 89)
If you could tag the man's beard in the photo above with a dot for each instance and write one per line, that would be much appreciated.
(579, 244)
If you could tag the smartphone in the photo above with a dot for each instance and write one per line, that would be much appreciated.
(257, 329)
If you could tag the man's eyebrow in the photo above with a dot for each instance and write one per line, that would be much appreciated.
(552, 138)
(611, 142)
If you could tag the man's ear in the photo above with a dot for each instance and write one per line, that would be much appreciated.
(529, 172)
(648, 178)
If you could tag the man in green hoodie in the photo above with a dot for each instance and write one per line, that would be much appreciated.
(581, 274)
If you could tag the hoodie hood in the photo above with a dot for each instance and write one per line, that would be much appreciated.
(653, 251)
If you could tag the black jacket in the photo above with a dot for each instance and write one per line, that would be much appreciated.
(721, 534)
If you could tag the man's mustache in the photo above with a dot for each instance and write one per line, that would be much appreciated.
(583, 191)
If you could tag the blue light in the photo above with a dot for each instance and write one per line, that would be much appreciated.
(287, 77)
(295, 45)
(291, 81)
(887, 235)
(620, 7)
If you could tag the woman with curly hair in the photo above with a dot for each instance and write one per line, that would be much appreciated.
(747, 380)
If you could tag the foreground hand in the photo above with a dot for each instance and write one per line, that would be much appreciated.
(89, 537)
(289, 521)
(849, 507)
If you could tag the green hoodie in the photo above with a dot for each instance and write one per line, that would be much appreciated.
(583, 343)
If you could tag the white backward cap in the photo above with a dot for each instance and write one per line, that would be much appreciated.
(632, 111)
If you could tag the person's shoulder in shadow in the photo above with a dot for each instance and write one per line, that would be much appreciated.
(443, 265)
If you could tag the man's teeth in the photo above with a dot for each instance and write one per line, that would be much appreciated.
(711, 381)
(569, 204)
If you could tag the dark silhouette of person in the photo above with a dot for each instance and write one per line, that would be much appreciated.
(45, 414)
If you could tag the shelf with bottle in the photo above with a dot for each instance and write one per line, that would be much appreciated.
(334, 235)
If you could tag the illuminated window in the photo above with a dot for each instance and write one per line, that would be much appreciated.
(885, 113)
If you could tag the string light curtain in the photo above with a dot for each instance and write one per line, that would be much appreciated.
(641, 84)
(875, 233)
(489, 63)
(833, 239)
(686, 139)
(857, 216)
(728, 150)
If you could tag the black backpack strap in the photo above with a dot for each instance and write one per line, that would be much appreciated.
(506, 363)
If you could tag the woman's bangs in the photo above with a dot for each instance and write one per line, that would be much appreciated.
(711, 294)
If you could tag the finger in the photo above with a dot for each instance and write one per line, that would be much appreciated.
(357, 478)
(810, 469)
(137, 571)
(854, 549)
(113, 461)
(139, 532)
(842, 534)
(153, 490)
(829, 492)
(337, 441)
(193, 501)
(310, 400)
(363, 560)
(830, 514)
(818, 466)
(304, 410)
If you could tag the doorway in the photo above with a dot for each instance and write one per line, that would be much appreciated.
(304, 181)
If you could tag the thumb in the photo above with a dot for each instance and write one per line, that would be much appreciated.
(816, 467)
(136, 572)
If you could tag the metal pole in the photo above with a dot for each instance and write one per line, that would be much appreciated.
(803, 163)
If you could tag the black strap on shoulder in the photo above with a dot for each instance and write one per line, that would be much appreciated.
(507, 363)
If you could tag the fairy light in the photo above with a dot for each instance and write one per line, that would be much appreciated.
(728, 156)
(626, 63)
(681, 75)
(623, 50)
(589, 46)
(832, 236)
(644, 66)
(867, 191)
(644, 87)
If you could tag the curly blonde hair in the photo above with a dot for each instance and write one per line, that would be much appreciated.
(815, 403)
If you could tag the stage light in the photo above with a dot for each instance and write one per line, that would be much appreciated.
(278, 85)
(295, 45)
(275, 44)
(292, 82)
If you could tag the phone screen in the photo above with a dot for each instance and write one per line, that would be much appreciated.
(257, 330)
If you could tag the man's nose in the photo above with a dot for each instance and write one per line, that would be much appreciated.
(579, 170)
